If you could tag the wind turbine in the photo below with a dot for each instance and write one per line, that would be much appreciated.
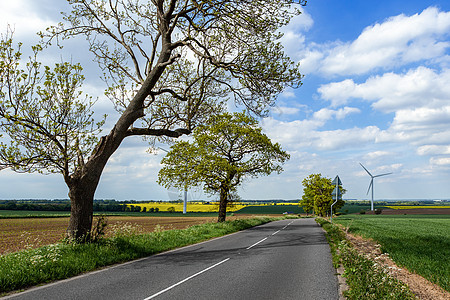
(371, 183)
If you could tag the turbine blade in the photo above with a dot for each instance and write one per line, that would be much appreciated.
(382, 175)
(370, 185)
(366, 170)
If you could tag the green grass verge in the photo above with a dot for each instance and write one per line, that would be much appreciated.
(420, 243)
(365, 279)
(53, 262)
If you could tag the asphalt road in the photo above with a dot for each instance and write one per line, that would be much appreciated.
(287, 259)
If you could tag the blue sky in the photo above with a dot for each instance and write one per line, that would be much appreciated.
(376, 91)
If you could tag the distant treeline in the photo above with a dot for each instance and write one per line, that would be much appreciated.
(101, 205)
(108, 205)
(400, 202)
(64, 205)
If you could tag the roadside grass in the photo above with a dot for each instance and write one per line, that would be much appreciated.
(365, 278)
(27, 268)
(420, 243)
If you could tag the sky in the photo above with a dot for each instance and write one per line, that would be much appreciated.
(376, 91)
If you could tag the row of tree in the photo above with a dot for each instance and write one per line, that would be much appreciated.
(64, 205)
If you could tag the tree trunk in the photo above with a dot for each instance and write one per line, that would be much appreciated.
(223, 204)
(83, 184)
(82, 187)
(81, 211)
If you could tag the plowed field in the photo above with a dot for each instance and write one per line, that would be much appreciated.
(18, 234)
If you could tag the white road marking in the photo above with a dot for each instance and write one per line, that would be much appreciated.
(209, 268)
(184, 280)
(257, 243)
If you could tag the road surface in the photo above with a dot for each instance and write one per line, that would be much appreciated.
(288, 259)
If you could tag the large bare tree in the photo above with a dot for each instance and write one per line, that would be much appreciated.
(168, 65)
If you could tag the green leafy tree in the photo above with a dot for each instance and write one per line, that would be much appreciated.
(47, 121)
(224, 151)
(307, 203)
(169, 65)
(317, 196)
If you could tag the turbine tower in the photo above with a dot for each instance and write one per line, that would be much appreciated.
(371, 183)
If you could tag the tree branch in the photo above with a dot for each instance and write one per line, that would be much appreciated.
(158, 132)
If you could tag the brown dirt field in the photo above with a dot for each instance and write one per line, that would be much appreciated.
(414, 211)
(19, 234)
(420, 286)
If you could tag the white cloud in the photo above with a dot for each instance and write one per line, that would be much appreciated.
(440, 161)
(422, 118)
(327, 114)
(433, 150)
(288, 94)
(392, 92)
(284, 110)
(420, 127)
(377, 154)
(292, 134)
(345, 138)
(397, 41)
(293, 37)
(25, 22)
(338, 93)
(306, 134)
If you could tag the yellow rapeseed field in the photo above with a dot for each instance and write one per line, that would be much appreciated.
(417, 206)
(191, 206)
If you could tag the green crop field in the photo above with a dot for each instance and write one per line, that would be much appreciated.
(421, 243)
(270, 209)
(353, 208)
(32, 214)
(8, 214)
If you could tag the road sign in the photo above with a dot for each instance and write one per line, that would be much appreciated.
(337, 181)
(335, 194)
(335, 191)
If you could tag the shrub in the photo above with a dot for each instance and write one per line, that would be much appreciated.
(378, 211)
(362, 212)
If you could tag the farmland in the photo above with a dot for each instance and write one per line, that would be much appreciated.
(17, 234)
(192, 206)
(21, 228)
(421, 243)
(214, 206)
(417, 206)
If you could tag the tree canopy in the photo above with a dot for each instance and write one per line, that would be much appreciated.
(47, 118)
(224, 151)
(183, 53)
(317, 196)
(168, 66)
